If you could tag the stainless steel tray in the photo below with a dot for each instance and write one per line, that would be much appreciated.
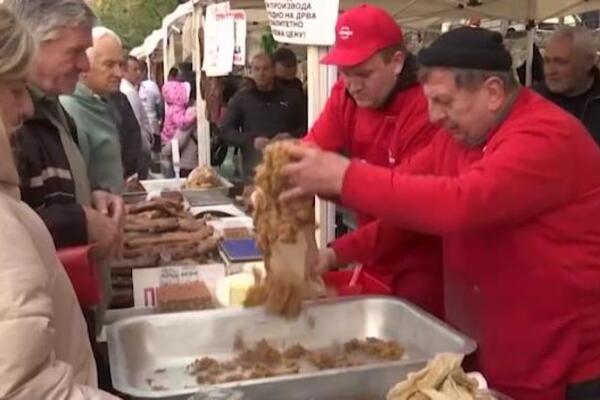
(196, 197)
(141, 346)
(209, 197)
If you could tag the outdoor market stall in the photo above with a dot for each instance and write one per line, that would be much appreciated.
(172, 29)
(161, 353)
(409, 13)
(152, 53)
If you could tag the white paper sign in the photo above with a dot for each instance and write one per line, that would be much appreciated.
(240, 26)
(147, 280)
(308, 22)
(219, 41)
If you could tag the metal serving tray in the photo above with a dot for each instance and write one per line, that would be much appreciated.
(196, 197)
(158, 347)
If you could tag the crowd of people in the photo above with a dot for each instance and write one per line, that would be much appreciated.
(477, 199)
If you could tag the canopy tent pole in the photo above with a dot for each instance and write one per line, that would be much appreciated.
(321, 79)
(532, 12)
(202, 125)
(531, 30)
(165, 44)
(150, 73)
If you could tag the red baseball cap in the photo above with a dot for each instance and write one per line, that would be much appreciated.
(361, 32)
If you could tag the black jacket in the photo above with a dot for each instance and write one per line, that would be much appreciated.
(129, 132)
(46, 182)
(292, 84)
(252, 113)
(589, 115)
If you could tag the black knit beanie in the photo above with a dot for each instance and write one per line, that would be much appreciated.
(467, 48)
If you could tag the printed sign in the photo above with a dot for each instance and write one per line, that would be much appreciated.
(219, 41)
(147, 280)
(308, 22)
(239, 26)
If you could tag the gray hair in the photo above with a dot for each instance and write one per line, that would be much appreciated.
(45, 17)
(98, 32)
(472, 79)
(581, 37)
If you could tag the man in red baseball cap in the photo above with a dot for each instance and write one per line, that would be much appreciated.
(377, 112)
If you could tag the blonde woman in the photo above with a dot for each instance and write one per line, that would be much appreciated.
(44, 348)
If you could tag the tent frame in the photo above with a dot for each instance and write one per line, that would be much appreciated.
(321, 78)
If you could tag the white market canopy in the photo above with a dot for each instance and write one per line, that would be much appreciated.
(151, 43)
(415, 13)
(422, 12)
(181, 11)
(154, 40)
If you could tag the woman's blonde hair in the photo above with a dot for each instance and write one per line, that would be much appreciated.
(17, 47)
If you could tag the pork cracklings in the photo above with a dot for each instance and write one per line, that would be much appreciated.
(286, 236)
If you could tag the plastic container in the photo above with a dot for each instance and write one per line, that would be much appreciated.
(366, 284)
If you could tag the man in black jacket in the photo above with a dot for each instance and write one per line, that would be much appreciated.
(265, 111)
(129, 132)
(572, 80)
(286, 68)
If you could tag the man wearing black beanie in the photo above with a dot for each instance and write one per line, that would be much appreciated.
(513, 188)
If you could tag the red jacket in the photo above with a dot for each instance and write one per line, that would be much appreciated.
(520, 219)
(409, 261)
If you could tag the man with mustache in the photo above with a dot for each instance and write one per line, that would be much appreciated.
(512, 186)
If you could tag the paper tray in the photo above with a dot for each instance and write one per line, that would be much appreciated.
(140, 346)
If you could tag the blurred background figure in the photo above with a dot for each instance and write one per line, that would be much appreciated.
(572, 79)
(187, 140)
(177, 96)
(129, 132)
(286, 68)
(153, 105)
(185, 125)
(264, 111)
(132, 78)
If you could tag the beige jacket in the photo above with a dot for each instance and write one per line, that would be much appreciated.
(44, 348)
